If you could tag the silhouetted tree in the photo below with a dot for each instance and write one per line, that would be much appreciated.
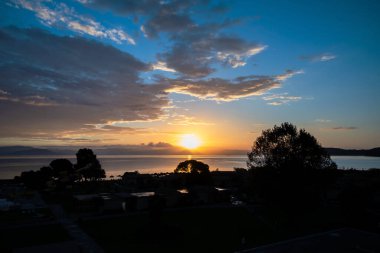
(192, 166)
(33, 179)
(286, 147)
(88, 165)
(63, 170)
(47, 173)
(197, 172)
(287, 168)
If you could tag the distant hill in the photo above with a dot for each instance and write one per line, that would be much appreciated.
(23, 150)
(353, 152)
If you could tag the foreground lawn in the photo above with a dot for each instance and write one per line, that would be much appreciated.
(31, 236)
(193, 230)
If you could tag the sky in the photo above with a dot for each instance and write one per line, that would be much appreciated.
(134, 72)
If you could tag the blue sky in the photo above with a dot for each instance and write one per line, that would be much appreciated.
(96, 72)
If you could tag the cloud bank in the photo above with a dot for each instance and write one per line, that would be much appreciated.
(195, 46)
(69, 87)
(73, 81)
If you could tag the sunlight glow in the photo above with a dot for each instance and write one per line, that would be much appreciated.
(190, 141)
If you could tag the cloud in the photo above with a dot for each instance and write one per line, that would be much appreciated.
(86, 134)
(344, 128)
(238, 59)
(158, 145)
(86, 81)
(160, 16)
(184, 120)
(140, 7)
(167, 22)
(60, 15)
(194, 46)
(28, 100)
(218, 89)
(323, 120)
(197, 48)
(161, 66)
(280, 99)
(319, 57)
(53, 84)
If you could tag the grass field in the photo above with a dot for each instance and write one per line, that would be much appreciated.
(195, 230)
(31, 236)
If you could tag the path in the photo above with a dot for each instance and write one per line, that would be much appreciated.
(85, 242)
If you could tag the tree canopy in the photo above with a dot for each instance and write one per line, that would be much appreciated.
(61, 168)
(192, 166)
(286, 147)
(88, 165)
(197, 173)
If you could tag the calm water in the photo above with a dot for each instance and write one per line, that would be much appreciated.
(117, 165)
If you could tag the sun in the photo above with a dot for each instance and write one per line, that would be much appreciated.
(190, 141)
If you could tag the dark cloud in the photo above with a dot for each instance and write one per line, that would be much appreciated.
(158, 145)
(194, 46)
(161, 16)
(123, 7)
(197, 48)
(74, 88)
(344, 128)
(116, 129)
(166, 22)
(78, 81)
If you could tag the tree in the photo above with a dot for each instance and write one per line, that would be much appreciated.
(88, 165)
(63, 170)
(33, 179)
(192, 166)
(197, 173)
(284, 147)
(288, 169)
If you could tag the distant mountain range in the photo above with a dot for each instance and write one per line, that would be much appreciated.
(22, 150)
(353, 152)
(154, 150)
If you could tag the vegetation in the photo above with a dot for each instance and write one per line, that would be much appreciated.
(198, 173)
(88, 165)
(284, 147)
(290, 188)
(192, 230)
(192, 166)
(289, 169)
(61, 172)
(19, 237)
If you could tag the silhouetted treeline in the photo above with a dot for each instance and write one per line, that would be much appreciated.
(61, 172)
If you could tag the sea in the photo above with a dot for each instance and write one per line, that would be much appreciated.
(116, 165)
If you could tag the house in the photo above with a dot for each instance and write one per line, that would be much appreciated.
(135, 201)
